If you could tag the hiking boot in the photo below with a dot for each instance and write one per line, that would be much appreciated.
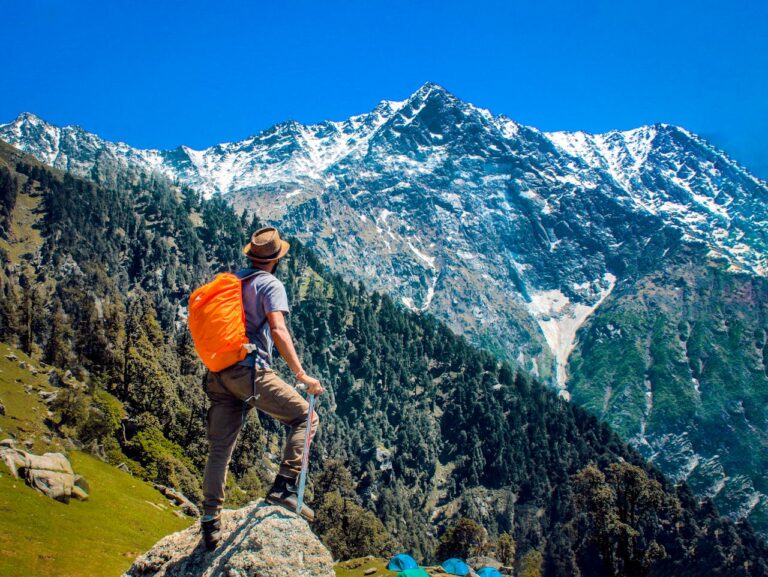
(211, 531)
(285, 492)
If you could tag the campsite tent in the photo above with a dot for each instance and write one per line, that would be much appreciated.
(455, 566)
(402, 562)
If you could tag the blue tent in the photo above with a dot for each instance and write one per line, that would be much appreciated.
(402, 562)
(417, 572)
(455, 567)
(488, 572)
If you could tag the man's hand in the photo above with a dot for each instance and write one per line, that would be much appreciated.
(284, 344)
(313, 385)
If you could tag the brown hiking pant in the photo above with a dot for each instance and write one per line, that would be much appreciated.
(262, 389)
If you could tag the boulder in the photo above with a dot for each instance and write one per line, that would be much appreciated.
(258, 540)
(179, 499)
(48, 396)
(2, 409)
(55, 379)
(11, 357)
(51, 473)
(73, 444)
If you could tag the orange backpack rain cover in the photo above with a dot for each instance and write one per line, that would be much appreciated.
(217, 322)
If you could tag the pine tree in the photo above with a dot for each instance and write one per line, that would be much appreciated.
(58, 348)
(506, 549)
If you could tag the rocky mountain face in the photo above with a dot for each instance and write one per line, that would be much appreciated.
(677, 363)
(518, 239)
(419, 426)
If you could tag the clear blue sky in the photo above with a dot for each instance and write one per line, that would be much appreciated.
(159, 74)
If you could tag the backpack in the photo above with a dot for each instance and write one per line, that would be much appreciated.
(217, 321)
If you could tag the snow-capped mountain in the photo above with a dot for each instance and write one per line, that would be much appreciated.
(430, 185)
(515, 237)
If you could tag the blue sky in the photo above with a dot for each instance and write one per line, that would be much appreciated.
(159, 74)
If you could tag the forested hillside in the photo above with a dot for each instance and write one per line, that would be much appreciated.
(690, 386)
(430, 429)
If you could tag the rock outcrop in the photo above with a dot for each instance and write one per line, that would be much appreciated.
(187, 506)
(259, 540)
(51, 473)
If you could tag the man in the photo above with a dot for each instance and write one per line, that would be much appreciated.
(252, 383)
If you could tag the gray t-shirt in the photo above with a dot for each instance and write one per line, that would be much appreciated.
(262, 293)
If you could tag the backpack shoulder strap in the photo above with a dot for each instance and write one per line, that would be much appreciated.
(246, 273)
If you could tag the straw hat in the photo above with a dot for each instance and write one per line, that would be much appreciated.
(266, 246)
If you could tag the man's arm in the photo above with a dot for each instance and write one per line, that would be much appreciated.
(284, 344)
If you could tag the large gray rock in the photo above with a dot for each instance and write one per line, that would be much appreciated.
(258, 541)
(50, 473)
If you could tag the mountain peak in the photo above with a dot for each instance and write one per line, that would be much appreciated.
(29, 118)
(429, 89)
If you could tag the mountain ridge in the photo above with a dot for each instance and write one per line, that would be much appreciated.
(419, 426)
(519, 239)
(28, 117)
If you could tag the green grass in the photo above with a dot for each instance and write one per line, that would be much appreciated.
(102, 536)
(25, 412)
(39, 536)
(358, 567)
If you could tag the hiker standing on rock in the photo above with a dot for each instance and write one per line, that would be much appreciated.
(251, 382)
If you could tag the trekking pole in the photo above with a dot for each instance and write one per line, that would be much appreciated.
(305, 455)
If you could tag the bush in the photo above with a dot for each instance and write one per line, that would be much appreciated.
(345, 527)
(531, 564)
(506, 549)
(164, 461)
(71, 407)
(465, 539)
(105, 417)
(350, 531)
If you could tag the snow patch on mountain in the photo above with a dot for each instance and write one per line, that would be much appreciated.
(560, 319)
(426, 259)
(668, 171)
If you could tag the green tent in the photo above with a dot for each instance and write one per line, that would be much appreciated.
(417, 572)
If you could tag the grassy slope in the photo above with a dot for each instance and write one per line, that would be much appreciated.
(39, 536)
(358, 568)
(123, 518)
